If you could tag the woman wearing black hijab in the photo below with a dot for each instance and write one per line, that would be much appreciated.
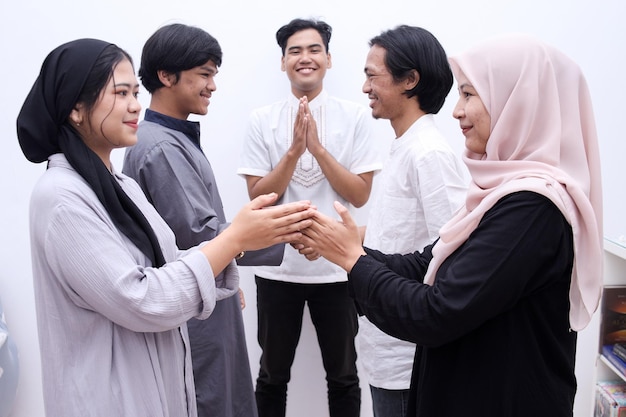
(112, 290)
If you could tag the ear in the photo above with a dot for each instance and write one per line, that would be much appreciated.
(330, 61)
(282, 64)
(411, 80)
(167, 78)
(77, 115)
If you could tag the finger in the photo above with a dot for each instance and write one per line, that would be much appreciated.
(287, 227)
(263, 201)
(282, 210)
(307, 250)
(312, 256)
(344, 214)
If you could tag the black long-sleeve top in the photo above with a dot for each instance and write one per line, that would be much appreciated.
(493, 330)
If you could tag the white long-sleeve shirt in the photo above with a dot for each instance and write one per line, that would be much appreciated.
(421, 185)
(112, 329)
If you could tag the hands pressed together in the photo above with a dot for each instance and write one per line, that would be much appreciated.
(305, 130)
(312, 233)
(337, 241)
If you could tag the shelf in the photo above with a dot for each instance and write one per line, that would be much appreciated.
(616, 247)
(612, 367)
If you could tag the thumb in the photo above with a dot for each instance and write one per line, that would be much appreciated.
(346, 218)
(263, 200)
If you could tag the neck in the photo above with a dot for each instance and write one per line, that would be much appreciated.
(310, 94)
(160, 103)
(402, 123)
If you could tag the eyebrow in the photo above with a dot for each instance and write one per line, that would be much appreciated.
(126, 85)
(313, 45)
(209, 69)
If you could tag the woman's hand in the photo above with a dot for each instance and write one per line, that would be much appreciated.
(259, 224)
(337, 241)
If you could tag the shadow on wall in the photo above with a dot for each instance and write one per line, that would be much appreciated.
(9, 368)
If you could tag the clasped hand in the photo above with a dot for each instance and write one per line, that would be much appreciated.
(337, 241)
(305, 130)
(259, 224)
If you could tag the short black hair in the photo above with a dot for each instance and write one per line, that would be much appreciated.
(175, 48)
(296, 25)
(414, 48)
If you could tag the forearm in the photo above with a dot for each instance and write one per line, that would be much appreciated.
(277, 180)
(221, 250)
(354, 188)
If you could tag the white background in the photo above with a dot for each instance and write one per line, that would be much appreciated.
(593, 34)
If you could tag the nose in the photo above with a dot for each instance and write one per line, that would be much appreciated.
(134, 106)
(367, 87)
(305, 56)
(459, 111)
(211, 85)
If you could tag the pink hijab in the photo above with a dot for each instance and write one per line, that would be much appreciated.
(543, 139)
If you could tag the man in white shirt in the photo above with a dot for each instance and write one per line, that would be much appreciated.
(421, 185)
(310, 146)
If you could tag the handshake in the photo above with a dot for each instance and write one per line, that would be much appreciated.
(300, 224)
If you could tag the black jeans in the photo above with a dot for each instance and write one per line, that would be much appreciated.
(280, 308)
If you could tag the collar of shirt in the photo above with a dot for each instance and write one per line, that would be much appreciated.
(187, 127)
(314, 104)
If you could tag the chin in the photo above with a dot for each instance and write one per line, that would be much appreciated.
(130, 141)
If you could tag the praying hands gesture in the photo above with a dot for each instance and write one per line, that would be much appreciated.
(305, 131)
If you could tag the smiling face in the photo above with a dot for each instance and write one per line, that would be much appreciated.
(472, 115)
(192, 92)
(386, 96)
(305, 62)
(112, 122)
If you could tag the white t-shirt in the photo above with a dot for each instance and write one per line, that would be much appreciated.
(422, 184)
(344, 130)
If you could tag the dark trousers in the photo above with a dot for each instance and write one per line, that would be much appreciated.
(389, 403)
(280, 309)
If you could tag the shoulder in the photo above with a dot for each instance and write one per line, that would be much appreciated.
(268, 109)
(527, 209)
(59, 194)
(150, 134)
(153, 141)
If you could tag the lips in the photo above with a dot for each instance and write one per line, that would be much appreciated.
(132, 123)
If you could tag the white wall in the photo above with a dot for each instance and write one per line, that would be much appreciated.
(594, 35)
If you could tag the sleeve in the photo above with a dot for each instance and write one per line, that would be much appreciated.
(9, 368)
(440, 187)
(365, 152)
(98, 272)
(498, 265)
(175, 186)
(255, 157)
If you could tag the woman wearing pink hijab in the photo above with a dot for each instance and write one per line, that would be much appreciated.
(495, 304)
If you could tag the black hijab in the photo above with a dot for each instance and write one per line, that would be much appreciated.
(43, 129)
